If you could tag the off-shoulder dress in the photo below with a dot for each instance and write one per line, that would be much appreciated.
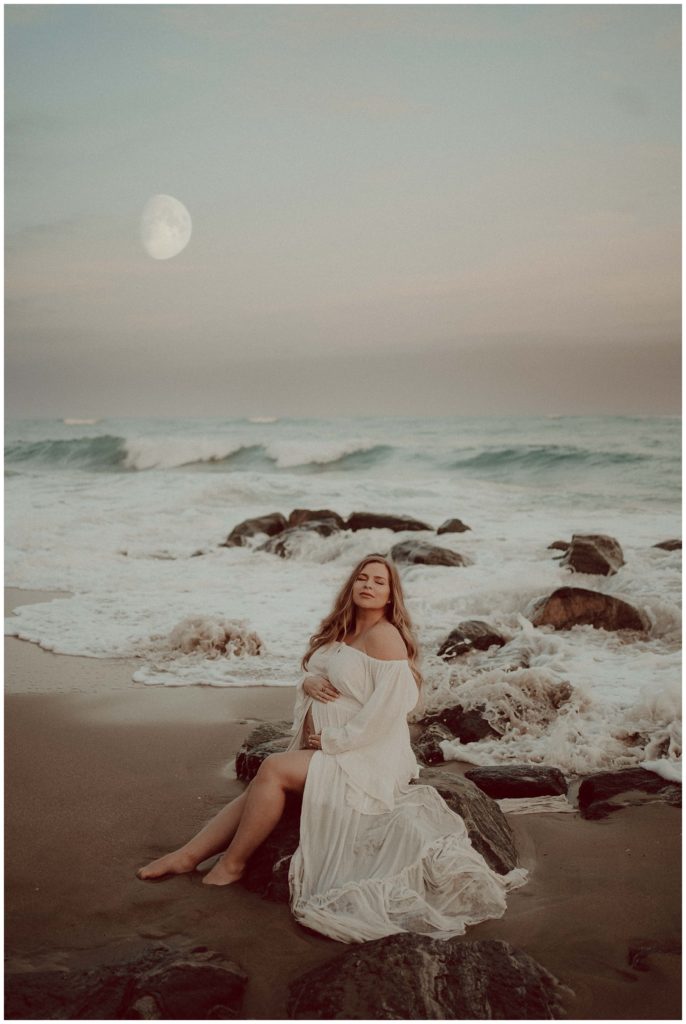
(378, 855)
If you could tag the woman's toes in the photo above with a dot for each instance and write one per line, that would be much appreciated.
(172, 864)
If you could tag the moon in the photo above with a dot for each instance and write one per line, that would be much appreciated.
(165, 227)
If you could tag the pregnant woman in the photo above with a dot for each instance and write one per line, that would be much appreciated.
(377, 855)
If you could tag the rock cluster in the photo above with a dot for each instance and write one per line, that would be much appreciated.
(403, 977)
(565, 607)
(163, 984)
(282, 533)
(414, 977)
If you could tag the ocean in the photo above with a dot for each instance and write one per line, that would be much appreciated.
(128, 517)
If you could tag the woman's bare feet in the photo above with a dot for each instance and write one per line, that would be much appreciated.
(223, 873)
(176, 863)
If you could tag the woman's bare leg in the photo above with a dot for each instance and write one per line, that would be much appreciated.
(278, 775)
(212, 838)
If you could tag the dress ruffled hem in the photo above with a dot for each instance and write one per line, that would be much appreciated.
(446, 889)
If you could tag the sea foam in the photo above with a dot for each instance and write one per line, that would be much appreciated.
(130, 516)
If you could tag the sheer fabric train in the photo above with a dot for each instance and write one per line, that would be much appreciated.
(378, 855)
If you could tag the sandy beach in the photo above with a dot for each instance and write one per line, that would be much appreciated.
(102, 775)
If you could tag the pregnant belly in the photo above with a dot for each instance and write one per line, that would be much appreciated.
(333, 712)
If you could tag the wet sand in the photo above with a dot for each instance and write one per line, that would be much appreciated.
(101, 780)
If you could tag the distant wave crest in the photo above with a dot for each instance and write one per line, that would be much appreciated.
(106, 452)
(542, 458)
(113, 453)
(312, 454)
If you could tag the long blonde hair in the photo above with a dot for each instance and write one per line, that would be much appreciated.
(341, 620)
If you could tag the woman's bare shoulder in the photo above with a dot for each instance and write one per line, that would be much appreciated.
(384, 642)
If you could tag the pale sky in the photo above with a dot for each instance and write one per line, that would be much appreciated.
(396, 209)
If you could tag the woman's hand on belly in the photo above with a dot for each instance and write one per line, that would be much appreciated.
(320, 688)
(314, 741)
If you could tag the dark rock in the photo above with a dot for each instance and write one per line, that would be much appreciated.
(271, 525)
(305, 515)
(282, 544)
(419, 552)
(574, 606)
(672, 794)
(468, 635)
(426, 746)
(162, 984)
(453, 526)
(486, 824)
(248, 760)
(559, 545)
(517, 780)
(597, 792)
(266, 873)
(594, 553)
(376, 521)
(454, 646)
(467, 726)
(669, 545)
(414, 977)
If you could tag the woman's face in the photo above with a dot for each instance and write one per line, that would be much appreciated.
(372, 588)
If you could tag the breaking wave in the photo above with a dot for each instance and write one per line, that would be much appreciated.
(115, 453)
(111, 453)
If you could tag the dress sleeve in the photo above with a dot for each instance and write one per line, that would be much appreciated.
(389, 703)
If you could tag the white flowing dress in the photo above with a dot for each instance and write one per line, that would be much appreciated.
(377, 855)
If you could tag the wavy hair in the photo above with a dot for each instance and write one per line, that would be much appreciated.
(341, 619)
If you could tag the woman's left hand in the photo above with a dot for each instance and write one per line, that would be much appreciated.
(315, 740)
